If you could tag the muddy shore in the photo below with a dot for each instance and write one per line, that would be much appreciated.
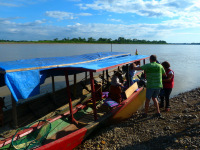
(178, 129)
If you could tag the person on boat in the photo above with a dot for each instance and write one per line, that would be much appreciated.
(154, 73)
(132, 71)
(98, 91)
(168, 84)
(116, 87)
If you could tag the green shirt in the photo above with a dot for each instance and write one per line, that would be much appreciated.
(154, 72)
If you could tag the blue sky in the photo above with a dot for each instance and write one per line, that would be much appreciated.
(174, 21)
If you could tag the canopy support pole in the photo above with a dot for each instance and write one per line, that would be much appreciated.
(144, 61)
(85, 77)
(14, 113)
(93, 95)
(69, 96)
(53, 87)
(103, 77)
(128, 77)
(107, 77)
(74, 85)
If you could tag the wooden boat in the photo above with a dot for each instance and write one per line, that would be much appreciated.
(68, 129)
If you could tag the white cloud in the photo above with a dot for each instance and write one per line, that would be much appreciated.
(113, 31)
(153, 8)
(8, 4)
(84, 14)
(37, 30)
(19, 3)
(183, 15)
(115, 20)
(60, 15)
(22, 31)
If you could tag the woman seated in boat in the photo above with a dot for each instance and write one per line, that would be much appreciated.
(116, 87)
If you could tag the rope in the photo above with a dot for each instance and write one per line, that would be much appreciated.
(34, 138)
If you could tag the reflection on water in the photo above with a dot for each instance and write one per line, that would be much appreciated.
(184, 59)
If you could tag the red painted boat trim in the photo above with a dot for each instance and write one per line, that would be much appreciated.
(66, 143)
(20, 134)
(32, 128)
(75, 110)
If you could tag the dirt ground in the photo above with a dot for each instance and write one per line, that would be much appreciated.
(178, 130)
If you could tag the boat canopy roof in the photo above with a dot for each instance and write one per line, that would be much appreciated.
(24, 77)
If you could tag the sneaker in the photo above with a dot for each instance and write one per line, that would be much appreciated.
(159, 116)
(144, 115)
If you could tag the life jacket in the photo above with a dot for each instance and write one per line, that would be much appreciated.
(169, 84)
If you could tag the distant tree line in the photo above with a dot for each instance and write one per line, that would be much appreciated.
(120, 40)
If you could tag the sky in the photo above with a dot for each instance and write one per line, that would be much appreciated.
(174, 21)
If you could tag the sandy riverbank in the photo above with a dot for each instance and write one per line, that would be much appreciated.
(180, 128)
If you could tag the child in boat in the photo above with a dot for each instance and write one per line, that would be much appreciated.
(116, 87)
(168, 84)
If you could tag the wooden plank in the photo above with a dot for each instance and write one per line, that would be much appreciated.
(131, 89)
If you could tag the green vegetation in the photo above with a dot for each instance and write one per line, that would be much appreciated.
(120, 40)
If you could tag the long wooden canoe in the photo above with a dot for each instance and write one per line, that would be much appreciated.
(68, 129)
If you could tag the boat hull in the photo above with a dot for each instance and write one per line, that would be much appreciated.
(74, 139)
(130, 106)
(71, 125)
(68, 142)
(124, 111)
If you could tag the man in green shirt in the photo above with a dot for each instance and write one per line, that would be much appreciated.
(154, 73)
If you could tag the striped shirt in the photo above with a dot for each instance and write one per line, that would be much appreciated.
(154, 72)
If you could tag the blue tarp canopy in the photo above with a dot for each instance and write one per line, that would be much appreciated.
(24, 77)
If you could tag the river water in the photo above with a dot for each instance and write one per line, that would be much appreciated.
(184, 59)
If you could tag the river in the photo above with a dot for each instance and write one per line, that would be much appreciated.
(184, 59)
